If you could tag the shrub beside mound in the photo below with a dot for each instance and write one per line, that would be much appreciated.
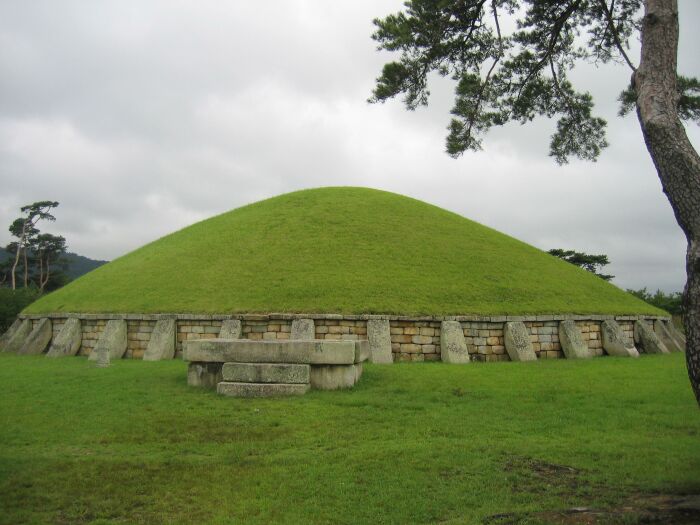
(12, 302)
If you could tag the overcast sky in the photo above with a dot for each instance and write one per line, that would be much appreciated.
(143, 117)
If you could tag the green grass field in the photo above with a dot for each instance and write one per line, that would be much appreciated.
(341, 250)
(410, 444)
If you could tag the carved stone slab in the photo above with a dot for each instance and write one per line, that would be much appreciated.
(645, 336)
(17, 339)
(614, 342)
(667, 339)
(677, 335)
(230, 329)
(38, 339)
(303, 329)
(453, 347)
(112, 341)
(518, 343)
(5, 338)
(379, 337)
(67, 342)
(572, 342)
(162, 343)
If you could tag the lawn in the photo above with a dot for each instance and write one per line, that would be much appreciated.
(340, 250)
(412, 443)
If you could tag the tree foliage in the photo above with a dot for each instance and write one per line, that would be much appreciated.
(514, 77)
(35, 253)
(671, 302)
(12, 302)
(591, 263)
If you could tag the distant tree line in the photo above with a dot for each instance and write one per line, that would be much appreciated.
(671, 302)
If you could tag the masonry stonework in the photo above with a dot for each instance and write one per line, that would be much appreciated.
(412, 339)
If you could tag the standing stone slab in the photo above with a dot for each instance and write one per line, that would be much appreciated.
(614, 342)
(379, 337)
(518, 343)
(111, 343)
(205, 375)
(645, 336)
(676, 334)
(101, 356)
(68, 340)
(572, 342)
(665, 336)
(334, 377)
(38, 339)
(303, 329)
(265, 373)
(162, 343)
(453, 347)
(261, 389)
(230, 329)
(17, 340)
(5, 338)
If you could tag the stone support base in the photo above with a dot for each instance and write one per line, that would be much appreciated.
(205, 375)
(261, 389)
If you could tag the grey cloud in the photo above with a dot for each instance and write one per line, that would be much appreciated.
(143, 118)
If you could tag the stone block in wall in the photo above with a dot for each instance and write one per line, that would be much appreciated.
(9, 333)
(453, 347)
(517, 342)
(68, 340)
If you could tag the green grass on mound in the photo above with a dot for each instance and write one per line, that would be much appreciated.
(428, 443)
(344, 250)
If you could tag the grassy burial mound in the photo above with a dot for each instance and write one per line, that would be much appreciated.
(340, 250)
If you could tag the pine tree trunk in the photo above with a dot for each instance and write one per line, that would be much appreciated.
(19, 249)
(26, 268)
(44, 281)
(677, 163)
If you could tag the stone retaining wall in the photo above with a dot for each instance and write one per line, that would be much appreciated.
(412, 338)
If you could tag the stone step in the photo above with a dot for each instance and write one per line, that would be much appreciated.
(233, 389)
(266, 373)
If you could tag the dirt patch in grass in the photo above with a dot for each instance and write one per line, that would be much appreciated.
(642, 509)
(530, 474)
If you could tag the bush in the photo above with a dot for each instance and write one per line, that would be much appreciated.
(13, 302)
(671, 302)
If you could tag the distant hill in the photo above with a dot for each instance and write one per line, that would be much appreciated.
(77, 264)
